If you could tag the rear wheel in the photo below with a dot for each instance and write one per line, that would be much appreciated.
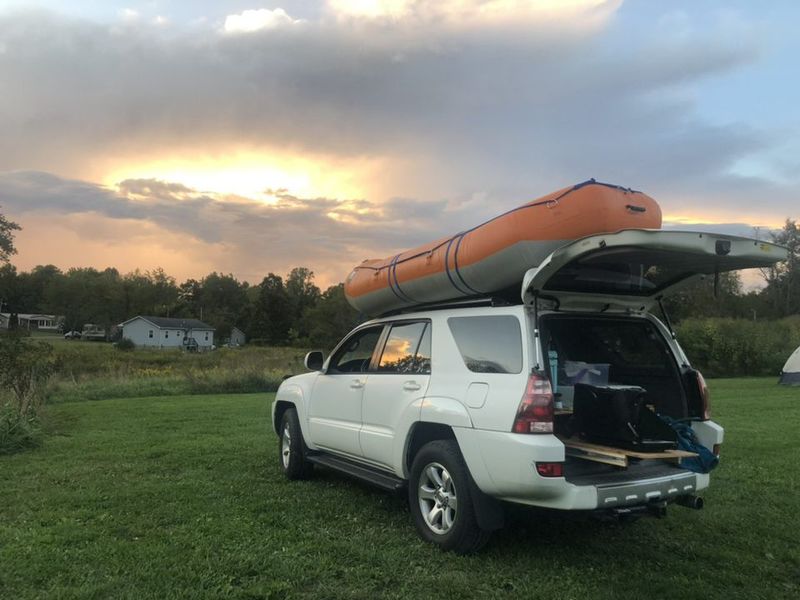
(440, 500)
(291, 448)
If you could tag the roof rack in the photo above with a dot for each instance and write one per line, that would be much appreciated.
(469, 302)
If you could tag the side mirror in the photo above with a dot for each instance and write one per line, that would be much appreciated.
(314, 361)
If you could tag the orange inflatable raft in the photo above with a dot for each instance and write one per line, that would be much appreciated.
(495, 255)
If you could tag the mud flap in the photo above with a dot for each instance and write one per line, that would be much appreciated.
(488, 511)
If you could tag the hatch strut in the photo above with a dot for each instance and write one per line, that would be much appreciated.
(666, 317)
(536, 330)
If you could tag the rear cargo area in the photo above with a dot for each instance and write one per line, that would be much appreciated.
(611, 376)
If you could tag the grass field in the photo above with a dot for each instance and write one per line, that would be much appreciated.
(181, 497)
(94, 370)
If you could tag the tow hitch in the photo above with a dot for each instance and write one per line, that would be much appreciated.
(631, 513)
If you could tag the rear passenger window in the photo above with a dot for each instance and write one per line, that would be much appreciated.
(401, 354)
(488, 344)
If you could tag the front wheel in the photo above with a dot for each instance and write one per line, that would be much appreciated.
(440, 500)
(291, 448)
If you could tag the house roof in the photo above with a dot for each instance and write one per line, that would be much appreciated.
(173, 323)
(28, 316)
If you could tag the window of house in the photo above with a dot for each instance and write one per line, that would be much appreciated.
(150, 334)
(206, 336)
(488, 344)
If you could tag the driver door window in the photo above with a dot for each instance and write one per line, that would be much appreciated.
(356, 353)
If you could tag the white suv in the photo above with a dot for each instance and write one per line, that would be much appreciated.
(474, 403)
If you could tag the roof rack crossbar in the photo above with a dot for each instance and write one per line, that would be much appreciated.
(458, 303)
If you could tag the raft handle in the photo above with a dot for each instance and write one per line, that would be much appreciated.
(634, 208)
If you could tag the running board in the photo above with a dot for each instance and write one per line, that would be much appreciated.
(371, 475)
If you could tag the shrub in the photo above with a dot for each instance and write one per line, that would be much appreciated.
(25, 367)
(125, 344)
(739, 347)
(17, 431)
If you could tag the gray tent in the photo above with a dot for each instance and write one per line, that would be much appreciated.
(790, 375)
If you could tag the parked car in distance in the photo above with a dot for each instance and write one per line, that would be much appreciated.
(468, 405)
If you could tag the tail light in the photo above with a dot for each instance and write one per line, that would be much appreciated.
(535, 412)
(550, 469)
(704, 397)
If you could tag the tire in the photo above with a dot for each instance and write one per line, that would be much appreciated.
(292, 448)
(440, 500)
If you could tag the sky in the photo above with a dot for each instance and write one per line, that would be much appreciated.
(250, 137)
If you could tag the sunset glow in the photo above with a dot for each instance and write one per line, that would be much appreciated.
(252, 138)
(254, 175)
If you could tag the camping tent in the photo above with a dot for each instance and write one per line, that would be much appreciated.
(790, 375)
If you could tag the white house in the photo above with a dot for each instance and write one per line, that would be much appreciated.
(34, 321)
(165, 332)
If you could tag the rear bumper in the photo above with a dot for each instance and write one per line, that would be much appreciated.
(503, 465)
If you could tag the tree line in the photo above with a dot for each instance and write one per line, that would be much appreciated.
(292, 310)
(277, 311)
(723, 296)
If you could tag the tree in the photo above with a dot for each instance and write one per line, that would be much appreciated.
(783, 279)
(706, 298)
(272, 314)
(302, 295)
(330, 319)
(222, 300)
(7, 229)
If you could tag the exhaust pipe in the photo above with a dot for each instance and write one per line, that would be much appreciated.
(690, 501)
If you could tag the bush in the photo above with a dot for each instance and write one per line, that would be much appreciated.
(17, 432)
(25, 366)
(125, 344)
(739, 347)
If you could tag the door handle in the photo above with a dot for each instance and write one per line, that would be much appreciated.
(356, 384)
(411, 386)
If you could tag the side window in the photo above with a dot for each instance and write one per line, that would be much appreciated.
(150, 334)
(166, 334)
(488, 344)
(356, 353)
(401, 354)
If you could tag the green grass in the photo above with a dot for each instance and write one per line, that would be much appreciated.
(181, 497)
(94, 371)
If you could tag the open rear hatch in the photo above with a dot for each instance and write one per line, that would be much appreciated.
(624, 272)
(632, 269)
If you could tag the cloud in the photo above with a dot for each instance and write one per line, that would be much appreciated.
(493, 109)
(258, 19)
(470, 108)
(238, 234)
(474, 12)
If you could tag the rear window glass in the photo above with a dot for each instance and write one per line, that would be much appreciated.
(624, 343)
(488, 344)
(627, 271)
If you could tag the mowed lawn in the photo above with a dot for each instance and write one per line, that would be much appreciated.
(182, 497)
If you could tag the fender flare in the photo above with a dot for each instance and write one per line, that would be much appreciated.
(292, 394)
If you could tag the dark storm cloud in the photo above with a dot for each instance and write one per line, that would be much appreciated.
(500, 111)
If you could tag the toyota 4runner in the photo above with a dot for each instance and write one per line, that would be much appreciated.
(474, 403)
